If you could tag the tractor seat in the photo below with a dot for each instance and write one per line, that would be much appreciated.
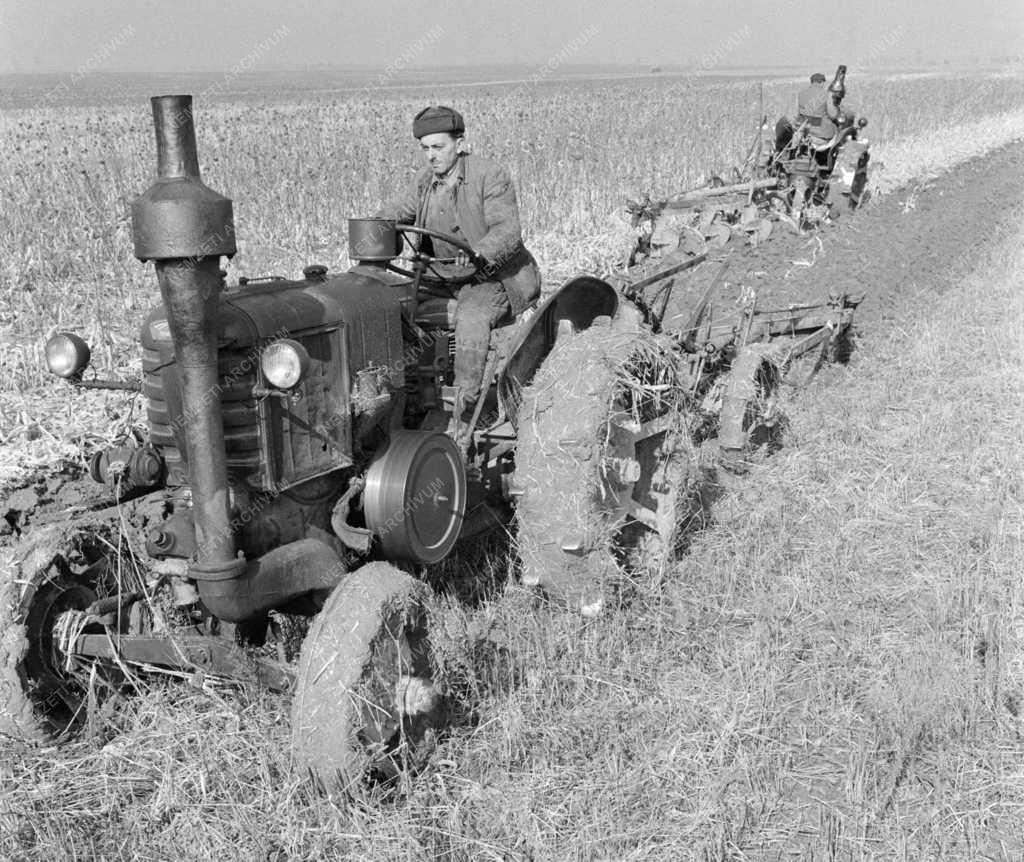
(438, 312)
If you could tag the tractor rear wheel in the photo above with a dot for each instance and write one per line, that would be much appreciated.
(52, 571)
(365, 704)
(599, 427)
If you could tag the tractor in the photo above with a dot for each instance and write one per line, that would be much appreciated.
(794, 176)
(810, 172)
(296, 462)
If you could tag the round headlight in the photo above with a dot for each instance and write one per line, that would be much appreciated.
(284, 363)
(67, 355)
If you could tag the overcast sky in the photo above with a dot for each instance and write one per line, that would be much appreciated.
(178, 35)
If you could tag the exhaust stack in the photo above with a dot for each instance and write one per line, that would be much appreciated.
(184, 227)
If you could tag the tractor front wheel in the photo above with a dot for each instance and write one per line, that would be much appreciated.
(365, 704)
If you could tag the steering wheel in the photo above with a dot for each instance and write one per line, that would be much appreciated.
(423, 262)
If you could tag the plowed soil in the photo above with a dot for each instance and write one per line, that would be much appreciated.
(906, 244)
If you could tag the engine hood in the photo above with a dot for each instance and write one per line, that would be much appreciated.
(253, 314)
(347, 323)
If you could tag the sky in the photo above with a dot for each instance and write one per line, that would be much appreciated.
(87, 36)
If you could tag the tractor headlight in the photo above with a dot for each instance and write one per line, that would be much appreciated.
(67, 355)
(284, 363)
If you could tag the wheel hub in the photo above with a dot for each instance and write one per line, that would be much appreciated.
(55, 692)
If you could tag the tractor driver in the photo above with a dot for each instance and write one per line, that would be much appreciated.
(469, 197)
(816, 108)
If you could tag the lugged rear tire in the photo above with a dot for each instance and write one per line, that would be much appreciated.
(587, 463)
(558, 459)
(54, 569)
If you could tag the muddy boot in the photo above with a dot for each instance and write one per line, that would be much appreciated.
(470, 363)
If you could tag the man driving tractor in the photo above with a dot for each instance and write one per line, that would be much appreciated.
(806, 149)
(817, 108)
(818, 114)
(473, 199)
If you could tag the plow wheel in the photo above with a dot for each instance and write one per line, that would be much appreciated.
(365, 704)
(601, 445)
(53, 571)
(750, 413)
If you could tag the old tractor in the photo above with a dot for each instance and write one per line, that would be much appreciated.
(793, 176)
(295, 463)
(813, 169)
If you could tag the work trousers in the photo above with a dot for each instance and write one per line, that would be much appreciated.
(479, 307)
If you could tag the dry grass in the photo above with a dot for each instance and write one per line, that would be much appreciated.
(835, 671)
(298, 169)
(923, 155)
(865, 587)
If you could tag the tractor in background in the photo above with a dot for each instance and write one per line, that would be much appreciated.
(814, 169)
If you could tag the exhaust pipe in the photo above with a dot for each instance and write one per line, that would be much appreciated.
(304, 569)
(184, 227)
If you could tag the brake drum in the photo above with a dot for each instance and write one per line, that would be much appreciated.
(415, 496)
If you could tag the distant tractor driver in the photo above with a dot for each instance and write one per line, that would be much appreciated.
(816, 107)
(473, 199)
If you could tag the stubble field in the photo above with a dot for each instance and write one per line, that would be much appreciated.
(833, 670)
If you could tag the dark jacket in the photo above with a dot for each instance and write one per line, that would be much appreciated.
(815, 107)
(485, 214)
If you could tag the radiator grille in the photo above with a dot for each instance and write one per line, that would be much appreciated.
(312, 434)
(270, 443)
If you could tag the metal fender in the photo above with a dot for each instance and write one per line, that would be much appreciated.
(574, 306)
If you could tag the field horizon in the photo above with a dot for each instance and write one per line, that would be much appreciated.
(23, 89)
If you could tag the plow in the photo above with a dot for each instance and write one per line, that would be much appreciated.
(790, 176)
(295, 462)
